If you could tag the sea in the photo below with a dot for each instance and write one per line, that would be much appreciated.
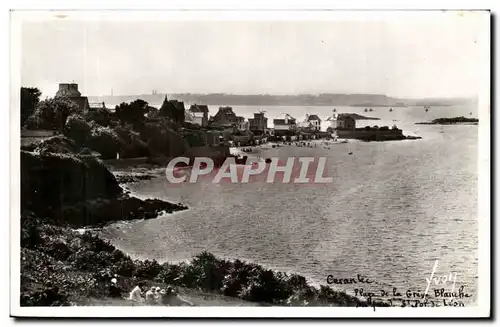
(395, 212)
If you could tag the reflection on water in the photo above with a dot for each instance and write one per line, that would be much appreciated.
(391, 211)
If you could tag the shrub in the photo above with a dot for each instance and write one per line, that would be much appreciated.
(30, 97)
(100, 116)
(30, 235)
(56, 144)
(97, 244)
(328, 295)
(46, 297)
(132, 145)
(170, 274)
(148, 269)
(211, 269)
(89, 260)
(77, 129)
(125, 267)
(56, 249)
(267, 287)
(105, 141)
(133, 113)
(52, 113)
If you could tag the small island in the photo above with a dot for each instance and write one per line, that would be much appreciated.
(452, 121)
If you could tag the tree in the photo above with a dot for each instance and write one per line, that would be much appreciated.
(100, 116)
(77, 129)
(30, 97)
(52, 113)
(132, 113)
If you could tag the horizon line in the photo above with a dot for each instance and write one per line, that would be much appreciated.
(286, 94)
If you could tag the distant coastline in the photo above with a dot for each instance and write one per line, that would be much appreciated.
(327, 99)
(451, 121)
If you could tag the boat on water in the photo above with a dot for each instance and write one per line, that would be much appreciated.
(366, 110)
(334, 109)
(390, 110)
(371, 109)
(426, 108)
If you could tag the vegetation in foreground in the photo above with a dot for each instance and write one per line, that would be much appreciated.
(62, 267)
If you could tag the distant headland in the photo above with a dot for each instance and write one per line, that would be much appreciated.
(452, 121)
(324, 99)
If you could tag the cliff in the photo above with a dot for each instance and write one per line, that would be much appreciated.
(78, 190)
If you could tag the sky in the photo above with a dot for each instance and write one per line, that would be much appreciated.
(419, 57)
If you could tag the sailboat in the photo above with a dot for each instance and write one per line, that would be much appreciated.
(426, 108)
(366, 110)
(334, 109)
(371, 109)
(390, 110)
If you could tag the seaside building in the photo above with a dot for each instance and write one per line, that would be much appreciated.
(70, 90)
(258, 124)
(345, 121)
(315, 122)
(199, 114)
(243, 125)
(173, 109)
(285, 126)
(225, 118)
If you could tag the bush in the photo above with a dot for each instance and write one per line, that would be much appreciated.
(132, 146)
(77, 129)
(97, 244)
(162, 139)
(30, 97)
(56, 144)
(170, 274)
(267, 287)
(329, 296)
(125, 267)
(105, 141)
(212, 271)
(30, 235)
(56, 249)
(46, 297)
(52, 113)
(100, 116)
(147, 269)
(133, 113)
(89, 260)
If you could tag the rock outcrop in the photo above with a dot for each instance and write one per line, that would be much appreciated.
(78, 190)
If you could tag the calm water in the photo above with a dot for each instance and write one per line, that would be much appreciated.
(391, 211)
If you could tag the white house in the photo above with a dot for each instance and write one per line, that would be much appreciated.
(243, 124)
(288, 124)
(199, 114)
(315, 122)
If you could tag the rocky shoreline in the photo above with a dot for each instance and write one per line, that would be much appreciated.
(60, 266)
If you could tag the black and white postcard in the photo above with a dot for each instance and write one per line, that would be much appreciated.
(250, 163)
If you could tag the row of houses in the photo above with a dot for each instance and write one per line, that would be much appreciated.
(227, 119)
